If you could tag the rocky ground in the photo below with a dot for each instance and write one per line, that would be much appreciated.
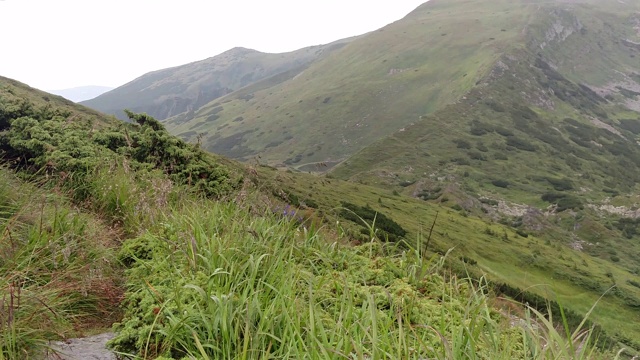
(88, 348)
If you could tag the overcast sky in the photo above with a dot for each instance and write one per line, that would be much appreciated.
(58, 44)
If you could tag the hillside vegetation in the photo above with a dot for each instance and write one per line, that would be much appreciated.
(480, 200)
(209, 259)
(372, 87)
(168, 92)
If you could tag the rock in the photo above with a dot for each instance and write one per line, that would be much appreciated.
(88, 348)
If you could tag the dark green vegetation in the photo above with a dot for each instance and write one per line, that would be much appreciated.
(365, 215)
(169, 92)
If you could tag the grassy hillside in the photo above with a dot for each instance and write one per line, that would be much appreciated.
(546, 143)
(225, 261)
(168, 92)
(375, 85)
(527, 133)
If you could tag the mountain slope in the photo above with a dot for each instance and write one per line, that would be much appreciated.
(528, 121)
(372, 87)
(81, 93)
(531, 145)
(16, 97)
(141, 182)
(169, 92)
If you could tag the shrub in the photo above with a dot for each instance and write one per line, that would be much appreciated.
(632, 125)
(560, 184)
(54, 144)
(479, 128)
(460, 161)
(462, 144)
(569, 202)
(520, 144)
(633, 283)
(500, 156)
(500, 183)
(503, 131)
(495, 106)
(475, 155)
(357, 214)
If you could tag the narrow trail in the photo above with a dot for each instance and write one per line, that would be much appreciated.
(89, 348)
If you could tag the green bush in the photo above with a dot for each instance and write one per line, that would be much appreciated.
(563, 201)
(560, 184)
(632, 125)
(479, 128)
(357, 214)
(500, 183)
(521, 144)
(462, 144)
(52, 144)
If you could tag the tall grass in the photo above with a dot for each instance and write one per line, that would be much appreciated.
(54, 264)
(214, 280)
(211, 281)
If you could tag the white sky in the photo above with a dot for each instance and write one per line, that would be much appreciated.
(58, 44)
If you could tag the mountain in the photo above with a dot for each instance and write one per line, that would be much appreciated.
(168, 92)
(389, 79)
(557, 113)
(366, 90)
(82, 93)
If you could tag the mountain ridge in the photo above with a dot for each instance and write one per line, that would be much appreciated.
(168, 92)
(360, 93)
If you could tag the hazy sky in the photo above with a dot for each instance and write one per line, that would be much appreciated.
(57, 44)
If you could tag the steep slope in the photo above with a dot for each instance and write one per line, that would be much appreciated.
(168, 92)
(527, 121)
(372, 87)
(530, 145)
(81, 93)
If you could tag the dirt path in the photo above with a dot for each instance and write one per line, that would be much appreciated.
(89, 348)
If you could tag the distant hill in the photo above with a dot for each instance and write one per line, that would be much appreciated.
(81, 93)
(168, 92)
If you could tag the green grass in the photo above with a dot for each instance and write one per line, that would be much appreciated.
(212, 281)
(56, 265)
(542, 264)
(216, 269)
